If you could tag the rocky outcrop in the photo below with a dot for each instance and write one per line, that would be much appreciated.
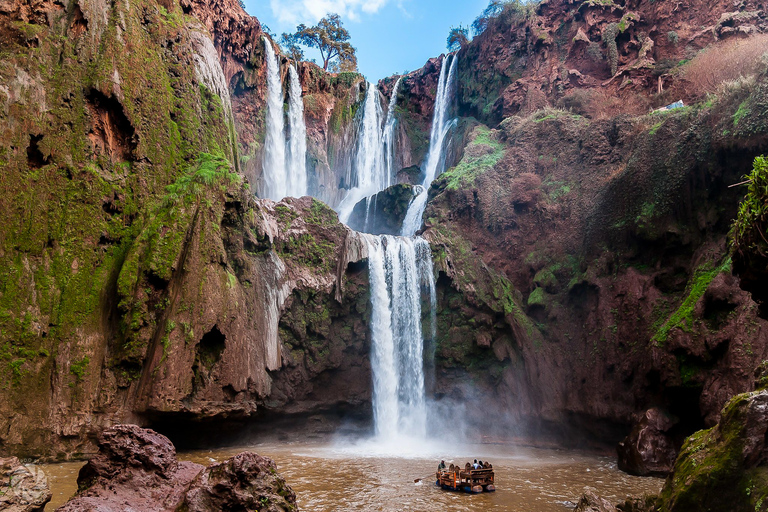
(384, 213)
(724, 468)
(246, 481)
(570, 53)
(22, 488)
(591, 502)
(584, 272)
(138, 468)
(649, 449)
(148, 285)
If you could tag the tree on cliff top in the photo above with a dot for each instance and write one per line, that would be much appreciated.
(497, 9)
(458, 37)
(332, 39)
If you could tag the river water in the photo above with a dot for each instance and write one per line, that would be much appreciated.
(347, 477)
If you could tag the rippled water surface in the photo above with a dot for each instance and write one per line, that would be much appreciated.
(363, 477)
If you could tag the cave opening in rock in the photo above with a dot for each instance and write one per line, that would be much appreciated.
(112, 134)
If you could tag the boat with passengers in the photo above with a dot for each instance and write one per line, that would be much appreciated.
(470, 479)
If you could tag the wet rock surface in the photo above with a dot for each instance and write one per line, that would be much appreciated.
(591, 502)
(22, 488)
(384, 213)
(725, 467)
(649, 449)
(137, 469)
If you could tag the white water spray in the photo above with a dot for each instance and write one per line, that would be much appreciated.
(399, 269)
(388, 138)
(442, 124)
(297, 144)
(369, 174)
(274, 185)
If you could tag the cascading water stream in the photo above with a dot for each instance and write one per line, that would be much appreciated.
(442, 124)
(284, 164)
(399, 268)
(274, 185)
(297, 143)
(369, 174)
(388, 137)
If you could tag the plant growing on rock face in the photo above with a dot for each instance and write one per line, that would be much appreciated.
(458, 38)
(748, 233)
(609, 38)
(332, 39)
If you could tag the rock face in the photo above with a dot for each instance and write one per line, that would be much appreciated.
(138, 468)
(576, 53)
(246, 481)
(584, 271)
(725, 467)
(149, 284)
(591, 502)
(384, 213)
(649, 449)
(22, 488)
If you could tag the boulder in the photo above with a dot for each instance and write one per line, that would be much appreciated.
(246, 480)
(383, 213)
(591, 502)
(137, 469)
(648, 450)
(725, 467)
(22, 488)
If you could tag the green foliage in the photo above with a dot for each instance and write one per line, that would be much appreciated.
(458, 38)
(683, 317)
(79, 367)
(291, 45)
(740, 113)
(748, 232)
(332, 40)
(672, 37)
(505, 11)
(470, 167)
(210, 169)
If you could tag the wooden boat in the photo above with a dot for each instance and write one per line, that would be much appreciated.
(466, 479)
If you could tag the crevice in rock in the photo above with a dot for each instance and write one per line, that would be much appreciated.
(35, 157)
(79, 25)
(112, 134)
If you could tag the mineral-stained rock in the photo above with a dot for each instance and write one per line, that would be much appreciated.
(725, 467)
(246, 480)
(134, 466)
(137, 468)
(648, 449)
(22, 488)
(591, 502)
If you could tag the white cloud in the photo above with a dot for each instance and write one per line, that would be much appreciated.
(292, 12)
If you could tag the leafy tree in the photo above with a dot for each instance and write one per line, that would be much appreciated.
(458, 38)
(332, 39)
(291, 46)
(495, 7)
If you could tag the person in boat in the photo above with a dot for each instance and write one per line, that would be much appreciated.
(474, 465)
(479, 464)
(441, 466)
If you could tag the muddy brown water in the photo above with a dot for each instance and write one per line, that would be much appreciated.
(346, 477)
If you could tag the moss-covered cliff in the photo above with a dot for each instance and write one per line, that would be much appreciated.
(140, 279)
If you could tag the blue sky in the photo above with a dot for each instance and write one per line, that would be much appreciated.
(391, 36)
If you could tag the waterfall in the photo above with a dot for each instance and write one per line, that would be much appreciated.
(297, 145)
(274, 185)
(399, 268)
(388, 138)
(442, 123)
(369, 175)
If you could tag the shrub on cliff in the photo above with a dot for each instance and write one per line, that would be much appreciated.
(723, 62)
